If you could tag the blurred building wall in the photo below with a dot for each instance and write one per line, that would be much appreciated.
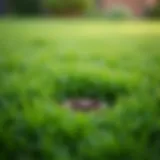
(138, 7)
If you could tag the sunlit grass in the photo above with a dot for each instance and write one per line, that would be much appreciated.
(113, 55)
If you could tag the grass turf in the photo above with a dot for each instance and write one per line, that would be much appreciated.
(63, 58)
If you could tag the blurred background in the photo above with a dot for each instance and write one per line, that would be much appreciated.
(105, 8)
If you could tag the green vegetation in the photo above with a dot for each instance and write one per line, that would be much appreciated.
(155, 12)
(68, 6)
(44, 62)
(120, 13)
(25, 7)
(54, 7)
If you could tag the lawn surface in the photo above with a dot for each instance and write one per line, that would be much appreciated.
(68, 58)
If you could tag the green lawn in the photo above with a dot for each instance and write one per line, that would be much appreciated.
(44, 62)
(68, 58)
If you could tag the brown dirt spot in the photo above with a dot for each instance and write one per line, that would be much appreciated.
(84, 104)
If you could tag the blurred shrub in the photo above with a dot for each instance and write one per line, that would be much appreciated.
(66, 7)
(115, 13)
(26, 7)
(119, 13)
(154, 12)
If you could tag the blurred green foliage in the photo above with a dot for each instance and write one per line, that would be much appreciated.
(155, 11)
(65, 7)
(26, 7)
(119, 13)
(44, 62)
(58, 7)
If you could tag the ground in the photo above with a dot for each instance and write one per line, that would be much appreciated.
(67, 58)
(46, 62)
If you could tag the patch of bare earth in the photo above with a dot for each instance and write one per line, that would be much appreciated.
(84, 104)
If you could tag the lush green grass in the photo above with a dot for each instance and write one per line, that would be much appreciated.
(68, 58)
(43, 61)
